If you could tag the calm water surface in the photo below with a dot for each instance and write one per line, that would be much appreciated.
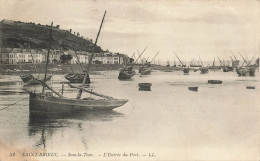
(217, 122)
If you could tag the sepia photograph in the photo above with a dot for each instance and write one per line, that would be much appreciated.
(127, 80)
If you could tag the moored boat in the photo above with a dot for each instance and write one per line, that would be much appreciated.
(46, 103)
(215, 81)
(76, 78)
(28, 79)
(204, 70)
(193, 88)
(126, 73)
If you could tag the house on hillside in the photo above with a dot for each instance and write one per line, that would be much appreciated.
(4, 55)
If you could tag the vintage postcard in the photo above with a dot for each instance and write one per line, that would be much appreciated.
(129, 80)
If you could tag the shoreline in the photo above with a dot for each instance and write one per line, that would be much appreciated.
(58, 68)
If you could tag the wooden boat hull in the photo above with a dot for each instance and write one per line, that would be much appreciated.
(250, 87)
(252, 71)
(29, 79)
(126, 75)
(48, 104)
(214, 67)
(146, 71)
(204, 70)
(215, 81)
(242, 72)
(193, 88)
(145, 86)
(76, 78)
(227, 69)
(186, 70)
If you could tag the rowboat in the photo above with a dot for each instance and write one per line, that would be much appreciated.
(215, 81)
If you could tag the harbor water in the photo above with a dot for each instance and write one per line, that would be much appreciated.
(170, 122)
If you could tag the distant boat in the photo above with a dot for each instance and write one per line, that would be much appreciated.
(46, 103)
(145, 86)
(214, 66)
(193, 88)
(204, 70)
(146, 71)
(215, 81)
(227, 68)
(147, 68)
(186, 70)
(128, 72)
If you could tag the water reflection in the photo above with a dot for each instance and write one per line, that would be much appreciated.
(42, 127)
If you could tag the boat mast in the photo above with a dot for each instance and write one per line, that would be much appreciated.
(155, 56)
(47, 61)
(179, 59)
(90, 59)
(201, 61)
(35, 68)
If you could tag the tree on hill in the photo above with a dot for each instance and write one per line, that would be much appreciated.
(65, 58)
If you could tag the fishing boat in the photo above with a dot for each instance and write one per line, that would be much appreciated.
(128, 72)
(144, 86)
(247, 69)
(47, 103)
(147, 68)
(193, 89)
(214, 66)
(203, 70)
(227, 68)
(76, 78)
(29, 79)
(215, 81)
(185, 69)
(194, 64)
(146, 71)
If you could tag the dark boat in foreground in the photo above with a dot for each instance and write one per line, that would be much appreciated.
(47, 103)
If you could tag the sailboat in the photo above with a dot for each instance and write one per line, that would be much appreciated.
(128, 72)
(203, 70)
(47, 103)
(76, 77)
(147, 68)
(214, 65)
(185, 69)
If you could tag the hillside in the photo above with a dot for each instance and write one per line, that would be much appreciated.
(14, 34)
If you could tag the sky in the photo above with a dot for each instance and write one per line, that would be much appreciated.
(189, 28)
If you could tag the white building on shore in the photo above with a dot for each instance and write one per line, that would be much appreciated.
(19, 55)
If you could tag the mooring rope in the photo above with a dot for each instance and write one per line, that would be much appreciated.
(13, 104)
